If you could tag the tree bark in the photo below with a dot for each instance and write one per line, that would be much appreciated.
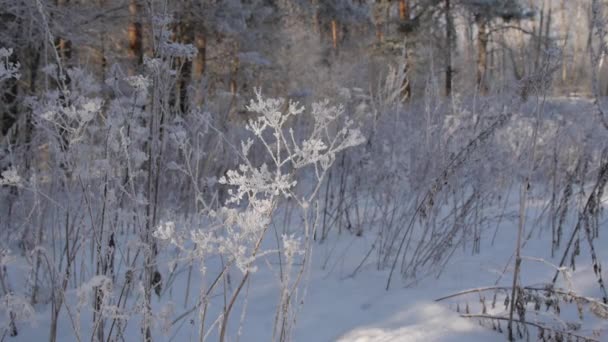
(135, 37)
(404, 9)
(64, 46)
(199, 66)
(566, 33)
(449, 38)
(334, 34)
(406, 87)
(9, 100)
(185, 36)
(201, 58)
(234, 72)
(482, 53)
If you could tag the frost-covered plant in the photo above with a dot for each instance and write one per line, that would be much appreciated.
(67, 113)
(17, 309)
(239, 228)
(598, 29)
(10, 177)
(104, 154)
(8, 69)
(13, 305)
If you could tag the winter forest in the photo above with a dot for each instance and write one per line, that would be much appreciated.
(303, 170)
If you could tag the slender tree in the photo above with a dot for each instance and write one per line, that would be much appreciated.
(482, 52)
(135, 36)
(449, 29)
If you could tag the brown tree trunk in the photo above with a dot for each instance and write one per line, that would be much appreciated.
(234, 72)
(315, 17)
(135, 37)
(380, 12)
(482, 53)
(406, 87)
(200, 60)
(404, 9)
(334, 34)
(379, 33)
(199, 66)
(63, 46)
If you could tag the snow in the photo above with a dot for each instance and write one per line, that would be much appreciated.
(162, 205)
(337, 304)
(340, 306)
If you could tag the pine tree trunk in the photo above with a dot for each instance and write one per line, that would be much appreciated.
(135, 37)
(64, 50)
(8, 91)
(548, 23)
(566, 24)
(482, 54)
(185, 36)
(63, 46)
(404, 9)
(9, 102)
(315, 17)
(449, 38)
(199, 66)
(234, 72)
(539, 38)
(200, 61)
(334, 34)
(406, 87)
(379, 15)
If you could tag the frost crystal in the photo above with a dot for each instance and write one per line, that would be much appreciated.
(139, 82)
(8, 69)
(10, 177)
(291, 246)
(166, 231)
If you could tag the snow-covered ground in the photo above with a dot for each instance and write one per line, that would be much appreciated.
(339, 304)
(341, 307)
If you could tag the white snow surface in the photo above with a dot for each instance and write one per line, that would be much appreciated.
(342, 307)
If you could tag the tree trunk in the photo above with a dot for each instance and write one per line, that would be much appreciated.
(334, 34)
(380, 11)
(482, 54)
(449, 38)
(234, 72)
(546, 43)
(185, 36)
(10, 103)
(404, 9)
(63, 46)
(64, 50)
(566, 33)
(406, 87)
(315, 17)
(539, 38)
(199, 65)
(135, 37)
